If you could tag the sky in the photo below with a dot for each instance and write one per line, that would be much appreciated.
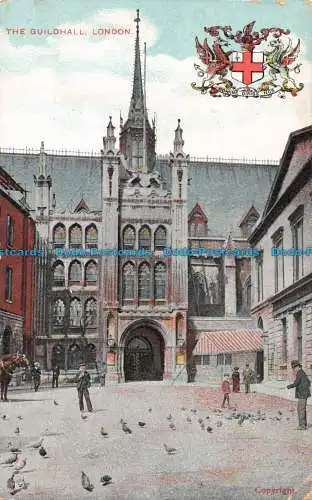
(62, 89)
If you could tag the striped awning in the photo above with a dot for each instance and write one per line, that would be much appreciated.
(229, 341)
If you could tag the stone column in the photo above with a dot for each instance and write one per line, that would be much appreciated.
(230, 285)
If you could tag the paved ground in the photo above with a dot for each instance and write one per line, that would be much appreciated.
(233, 462)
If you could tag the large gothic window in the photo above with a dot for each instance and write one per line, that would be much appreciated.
(160, 281)
(59, 235)
(58, 312)
(75, 236)
(128, 281)
(144, 282)
(145, 238)
(91, 237)
(58, 356)
(91, 272)
(58, 274)
(90, 312)
(75, 272)
(75, 312)
(74, 357)
(160, 239)
(129, 237)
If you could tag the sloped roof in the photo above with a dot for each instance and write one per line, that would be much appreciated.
(81, 207)
(197, 210)
(229, 341)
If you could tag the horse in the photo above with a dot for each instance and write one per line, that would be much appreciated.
(7, 366)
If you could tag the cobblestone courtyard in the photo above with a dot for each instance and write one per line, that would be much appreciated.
(231, 462)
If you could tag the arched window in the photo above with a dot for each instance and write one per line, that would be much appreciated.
(144, 282)
(160, 278)
(59, 236)
(75, 236)
(247, 295)
(74, 357)
(58, 274)
(90, 312)
(91, 272)
(75, 272)
(91, 237)
(145, 238)
(91, 356)
(75, 312)
(128, 237)
(58, 356)
(160, 238)
(58, 312)
(128, 281)
(6, 341)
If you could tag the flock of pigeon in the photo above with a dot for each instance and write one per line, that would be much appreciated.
(16, 482)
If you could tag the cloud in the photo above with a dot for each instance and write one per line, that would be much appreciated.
(63, 91)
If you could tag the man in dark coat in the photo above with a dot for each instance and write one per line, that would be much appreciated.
(83, 384)
(302, 385)
(36, 374)
(55, 376)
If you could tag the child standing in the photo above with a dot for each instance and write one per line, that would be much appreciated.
(226, 389)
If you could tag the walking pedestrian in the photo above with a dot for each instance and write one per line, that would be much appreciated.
(226, 389)
(302, 384)
(55, 376)
(36, 374)
(236, 380)
(246, 378)
(83, 385)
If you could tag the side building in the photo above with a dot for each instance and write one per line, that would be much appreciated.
(17, 272)
(282, 276)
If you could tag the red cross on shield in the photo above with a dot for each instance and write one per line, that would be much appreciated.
(247, 67)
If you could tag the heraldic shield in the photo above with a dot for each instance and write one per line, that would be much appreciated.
(247, 67)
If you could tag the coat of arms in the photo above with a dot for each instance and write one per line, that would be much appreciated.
(232, 66)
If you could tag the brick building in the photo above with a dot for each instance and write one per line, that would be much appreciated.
(17, 231)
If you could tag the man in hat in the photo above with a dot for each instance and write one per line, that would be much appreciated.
(302, 385)
(83, 384)
(246, 378)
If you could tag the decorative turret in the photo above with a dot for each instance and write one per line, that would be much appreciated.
(178, 140)
(134, 140)
(43, 184)
(110, 139)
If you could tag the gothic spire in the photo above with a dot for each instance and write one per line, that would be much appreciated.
(42, 161)
(137, 89)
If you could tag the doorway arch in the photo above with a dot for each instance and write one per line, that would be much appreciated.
(144, 349)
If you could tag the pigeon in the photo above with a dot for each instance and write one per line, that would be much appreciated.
(126, 429)
(189, 420)
(172, 426)
(241, 420)
(11, 484)
(20, 466)
(170, 451)
(280, 413)
(13, 449)
(122, 421)
(84, 417)
(209, 429)
(194, 411)
(200, 420)
(4, 417)
(183, 409)
(86, 483)
(141, 424)
(42, 451)
(17, 430)
(104, 434)
(37, 445)
(202, 426)
(150, 410)
(20, 417)
(10, 460)
(105, 480)
(55, 403)
(169, 417)
(287, 419)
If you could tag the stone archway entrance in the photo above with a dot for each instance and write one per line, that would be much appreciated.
(144, 355)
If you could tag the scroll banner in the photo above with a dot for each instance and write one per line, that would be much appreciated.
(111, 359)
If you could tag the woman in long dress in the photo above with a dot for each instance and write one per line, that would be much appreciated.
(236, 380)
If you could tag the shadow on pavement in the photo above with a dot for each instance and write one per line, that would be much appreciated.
(25, 400)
